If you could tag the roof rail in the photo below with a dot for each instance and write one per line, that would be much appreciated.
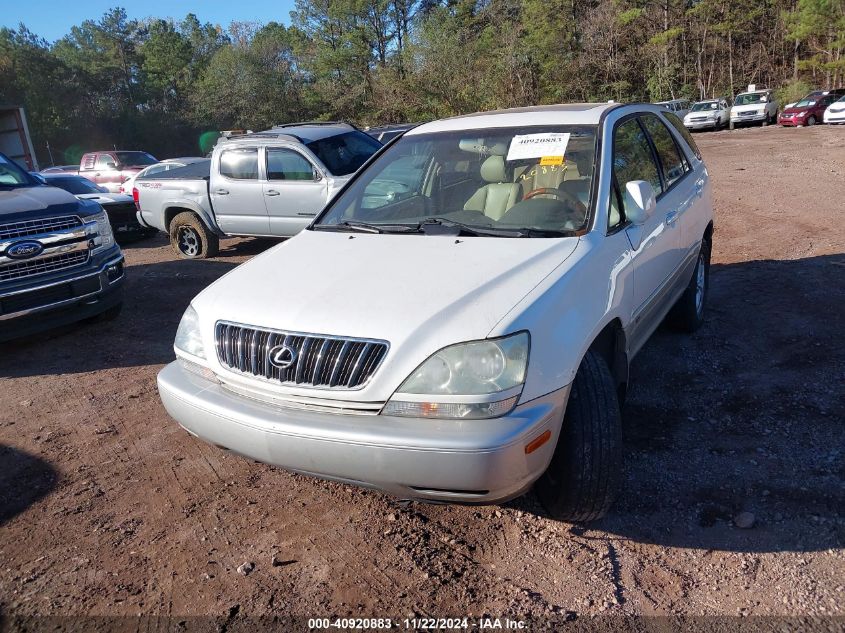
(283, 125)
(266, 134)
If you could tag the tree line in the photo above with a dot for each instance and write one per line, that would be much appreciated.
(165, 85)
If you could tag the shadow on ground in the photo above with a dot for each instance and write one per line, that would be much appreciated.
(746, 415)
(24, 479)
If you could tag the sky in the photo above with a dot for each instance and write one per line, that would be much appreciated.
(52, 19)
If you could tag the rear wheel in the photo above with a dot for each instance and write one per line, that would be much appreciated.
(191, 238)
(586, 468)
(687, 314)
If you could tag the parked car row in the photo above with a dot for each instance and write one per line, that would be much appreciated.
(457, 319)
(760, 106)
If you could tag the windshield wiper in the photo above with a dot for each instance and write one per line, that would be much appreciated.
(483, 231)
(366, 227)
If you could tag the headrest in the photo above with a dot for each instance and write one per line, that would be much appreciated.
(478, 146)
(493, 169)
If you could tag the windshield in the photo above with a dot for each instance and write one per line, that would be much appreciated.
(705, 105)
(805, 103)
(76, 186)
(344, 153)
(515, 182)
(135, 158)
(13, 176)
(750, 98)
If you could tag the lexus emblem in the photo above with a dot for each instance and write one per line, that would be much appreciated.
(282, 356)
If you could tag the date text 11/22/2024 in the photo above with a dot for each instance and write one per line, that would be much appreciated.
(425, 624)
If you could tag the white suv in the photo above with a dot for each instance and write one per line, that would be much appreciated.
(459, 321)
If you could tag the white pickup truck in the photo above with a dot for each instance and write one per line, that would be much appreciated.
(459, 322)
(265, 184)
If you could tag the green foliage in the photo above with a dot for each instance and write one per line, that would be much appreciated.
(163, 85)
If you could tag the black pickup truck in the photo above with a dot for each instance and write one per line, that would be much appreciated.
(59, 262)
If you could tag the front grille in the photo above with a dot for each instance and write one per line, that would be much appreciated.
(52, 294)
(320, 361)
(26, 228)
(18, 270)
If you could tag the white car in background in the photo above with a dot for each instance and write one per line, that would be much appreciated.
(754, 106)
(835, 112)
(710, 114)
(165, 165)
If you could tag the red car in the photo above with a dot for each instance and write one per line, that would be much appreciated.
(810, 110)
(110, 168)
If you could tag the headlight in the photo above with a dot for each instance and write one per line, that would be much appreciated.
(98, 230)
(188, 338)
(801, 114)
(479, 379)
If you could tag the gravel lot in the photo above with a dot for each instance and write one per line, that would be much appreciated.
(108, 508)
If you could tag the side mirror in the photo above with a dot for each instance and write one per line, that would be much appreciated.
(41, 179)
(640, 201)
(110, 164)
(317, 175)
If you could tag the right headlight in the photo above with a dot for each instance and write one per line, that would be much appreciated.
(478, 379)
(188, 337)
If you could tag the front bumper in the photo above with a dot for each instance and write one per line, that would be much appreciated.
(748, 118)
(834, 117)
(701, 125)
(35, 305)
(791, 122)
(464, 461)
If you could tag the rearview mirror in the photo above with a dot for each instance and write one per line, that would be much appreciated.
(640, 201)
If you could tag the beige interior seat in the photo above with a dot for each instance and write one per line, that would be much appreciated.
(499, 194)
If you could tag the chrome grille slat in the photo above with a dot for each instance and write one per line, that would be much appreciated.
(24, 268)
(330, 362)
(11, 230)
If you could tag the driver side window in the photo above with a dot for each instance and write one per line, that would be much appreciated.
(632, 160)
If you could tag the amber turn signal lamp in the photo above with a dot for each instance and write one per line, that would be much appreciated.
(537, 442)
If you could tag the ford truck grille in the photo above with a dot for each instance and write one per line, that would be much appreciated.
(20, 269)
(26, 228)
(317, 361)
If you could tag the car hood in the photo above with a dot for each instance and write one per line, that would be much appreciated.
(419, 293)
(38, 198)
(747, 107)
(107, 198)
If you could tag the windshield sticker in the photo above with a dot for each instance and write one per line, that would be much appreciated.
(538, 145)
(551, 160)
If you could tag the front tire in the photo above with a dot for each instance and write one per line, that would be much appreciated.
(811, 120)
(586, 468)
(687, 314)
(191, 238)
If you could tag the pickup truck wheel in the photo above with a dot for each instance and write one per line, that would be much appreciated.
(583, 477)
(191, 239)
(687, 314)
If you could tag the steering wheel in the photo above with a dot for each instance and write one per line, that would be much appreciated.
(563, 196)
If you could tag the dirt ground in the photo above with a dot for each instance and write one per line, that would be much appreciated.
(108, 508)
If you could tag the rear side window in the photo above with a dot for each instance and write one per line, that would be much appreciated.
(286, 164)
(671, 160)
(675, 122)
(632, 156)
(88, 161)
(240, 164)
(106, 161)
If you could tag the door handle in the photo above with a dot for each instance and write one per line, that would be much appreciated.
(221, 192)
(671, 217)
(271, 192)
